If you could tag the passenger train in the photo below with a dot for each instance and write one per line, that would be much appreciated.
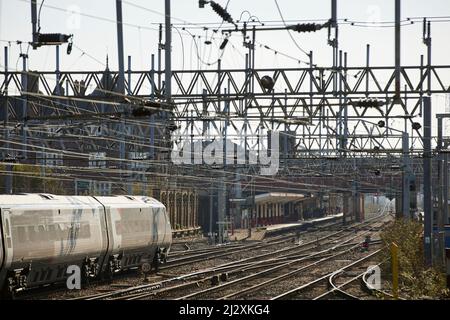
(41, 235)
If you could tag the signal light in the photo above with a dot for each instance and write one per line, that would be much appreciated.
(267, 83)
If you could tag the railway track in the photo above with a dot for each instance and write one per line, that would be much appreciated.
(186, 257)
(180, 258)
(324, 286)
(268, 262)
(272, 278)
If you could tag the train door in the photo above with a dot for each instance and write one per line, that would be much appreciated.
(6, 245)
(2, 254)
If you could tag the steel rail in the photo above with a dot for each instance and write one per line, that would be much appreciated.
(276, 268)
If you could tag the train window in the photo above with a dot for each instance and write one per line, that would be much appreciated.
(8, 227)
(52, 231)
(32, 233)
(60, 230)
(85, 231)
(41, 234)
(46, 196)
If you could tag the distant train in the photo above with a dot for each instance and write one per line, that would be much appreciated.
(41, 235)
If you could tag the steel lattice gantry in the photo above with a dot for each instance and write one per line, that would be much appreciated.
(318, 106)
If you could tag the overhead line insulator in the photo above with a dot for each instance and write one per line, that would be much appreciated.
(221, 12)
(368, 103)
(306, 27)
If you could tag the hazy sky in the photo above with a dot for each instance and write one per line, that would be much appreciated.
(98, 37)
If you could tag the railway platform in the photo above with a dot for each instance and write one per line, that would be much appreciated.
(259, 233)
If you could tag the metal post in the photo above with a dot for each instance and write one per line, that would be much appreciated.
(58, 73)
(121, 80)
(367, 66)
(247, 66)
(421, 85)
(24, 104)
(394, 265)
(397, 50)
(168, 49)
(129, 76)
(427, 181)
(429, 58)
(8, 177)
(440, 251)
(445, 213)
(335, 41)
(253, 60)
(211, 198)
(345, 109)
(152, 117)
(440, 254)
(160, 47)
(221, 207)
(406, 171)
(34, 21)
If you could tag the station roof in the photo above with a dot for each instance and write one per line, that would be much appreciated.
(278, 197)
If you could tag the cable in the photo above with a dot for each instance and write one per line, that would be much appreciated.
(198, 51)
(39, 17)
(182, 54)
(95, 17)
(289, 32)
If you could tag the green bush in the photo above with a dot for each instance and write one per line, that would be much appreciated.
(415, 280)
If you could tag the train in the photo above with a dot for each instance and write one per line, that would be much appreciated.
(42, 235)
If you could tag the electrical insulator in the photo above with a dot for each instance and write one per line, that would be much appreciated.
(306, 27)
(221, 12)
(52, 38)
(224, 44)
(369, 103)
(69, 48)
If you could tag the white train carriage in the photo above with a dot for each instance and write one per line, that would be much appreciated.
(138, 229)
(41, 235)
